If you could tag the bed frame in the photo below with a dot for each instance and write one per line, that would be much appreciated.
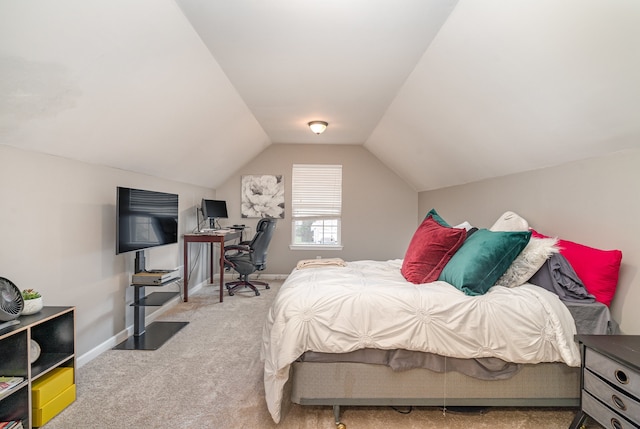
(360, 384)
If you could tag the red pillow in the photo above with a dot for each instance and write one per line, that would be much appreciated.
(431, 247)
(598, 269)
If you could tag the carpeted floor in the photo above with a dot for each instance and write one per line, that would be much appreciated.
(209, 375)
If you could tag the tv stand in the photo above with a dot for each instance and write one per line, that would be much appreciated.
(150, 337)
(139, 262)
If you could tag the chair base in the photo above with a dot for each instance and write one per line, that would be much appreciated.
(233, 287)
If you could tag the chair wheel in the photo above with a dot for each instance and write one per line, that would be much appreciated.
(231, 293)
(341, 426)
(267, 287)
(257, 293)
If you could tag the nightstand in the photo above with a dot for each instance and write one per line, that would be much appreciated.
(610, 381)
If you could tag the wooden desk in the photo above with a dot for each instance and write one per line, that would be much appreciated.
(207, 238)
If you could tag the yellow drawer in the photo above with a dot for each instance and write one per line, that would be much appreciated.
(51, 409)
(50, 385)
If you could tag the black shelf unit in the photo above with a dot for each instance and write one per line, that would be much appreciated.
(53, 328)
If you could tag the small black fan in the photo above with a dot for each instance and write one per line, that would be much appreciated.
(11, 302)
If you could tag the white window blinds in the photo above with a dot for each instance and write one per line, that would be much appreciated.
(316, 191)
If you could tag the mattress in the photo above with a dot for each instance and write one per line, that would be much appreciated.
(590, 318)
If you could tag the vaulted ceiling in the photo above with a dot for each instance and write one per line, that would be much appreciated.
(444, 92)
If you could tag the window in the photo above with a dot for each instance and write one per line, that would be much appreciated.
(316, 206)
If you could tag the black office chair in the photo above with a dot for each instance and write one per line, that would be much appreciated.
(250, 256)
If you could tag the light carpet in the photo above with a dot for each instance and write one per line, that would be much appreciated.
(209, 375)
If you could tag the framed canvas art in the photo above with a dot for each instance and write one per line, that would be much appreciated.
(262, 196)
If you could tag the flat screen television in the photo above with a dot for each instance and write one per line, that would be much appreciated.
(145, 219)
(214, 209)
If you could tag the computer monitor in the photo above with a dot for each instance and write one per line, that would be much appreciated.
(214, 209)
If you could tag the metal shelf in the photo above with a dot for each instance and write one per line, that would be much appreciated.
(155, 299)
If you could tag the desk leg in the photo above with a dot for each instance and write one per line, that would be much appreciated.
(221, 268)
(211, 249)
(185, 268)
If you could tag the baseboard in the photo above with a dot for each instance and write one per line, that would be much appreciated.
(126, 333)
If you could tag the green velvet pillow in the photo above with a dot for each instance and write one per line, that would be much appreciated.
(434, 214)
(482, 259)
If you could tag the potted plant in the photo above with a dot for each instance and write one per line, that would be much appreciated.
(32, 301)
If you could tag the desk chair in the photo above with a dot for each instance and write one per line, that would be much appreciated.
(248, 257)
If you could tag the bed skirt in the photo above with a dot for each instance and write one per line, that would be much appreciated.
(359, 384)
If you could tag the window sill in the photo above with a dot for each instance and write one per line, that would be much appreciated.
(315, 247)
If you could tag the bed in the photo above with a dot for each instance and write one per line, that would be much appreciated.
(367, 333)
(337, 310)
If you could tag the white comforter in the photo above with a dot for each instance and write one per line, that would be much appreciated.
(368, 304)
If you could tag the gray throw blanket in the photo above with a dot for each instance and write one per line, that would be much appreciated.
(558, 276)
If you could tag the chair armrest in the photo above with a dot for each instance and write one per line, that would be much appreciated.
(244, 248)
(228, 263)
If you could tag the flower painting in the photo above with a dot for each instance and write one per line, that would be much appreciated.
(262, 196)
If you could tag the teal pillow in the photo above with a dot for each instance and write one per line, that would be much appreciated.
(482, 259)
(437, 218)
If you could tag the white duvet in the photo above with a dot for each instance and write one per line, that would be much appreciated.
(368, 304)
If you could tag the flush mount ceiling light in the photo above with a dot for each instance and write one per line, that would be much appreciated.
(318, 127)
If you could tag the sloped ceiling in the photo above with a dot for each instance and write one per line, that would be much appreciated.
(444, 92)
(128, 84)
(297, 61)
(511, 86)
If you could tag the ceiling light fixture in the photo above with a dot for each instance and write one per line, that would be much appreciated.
(318, 127)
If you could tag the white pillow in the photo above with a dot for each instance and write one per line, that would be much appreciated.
(466, 225)
(529, 261)
(509, 221)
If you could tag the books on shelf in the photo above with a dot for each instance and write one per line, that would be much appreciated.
(13, 424)
(8, 383)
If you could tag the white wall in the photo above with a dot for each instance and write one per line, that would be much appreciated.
(593, 202)
(57, 223)
(378, 207)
